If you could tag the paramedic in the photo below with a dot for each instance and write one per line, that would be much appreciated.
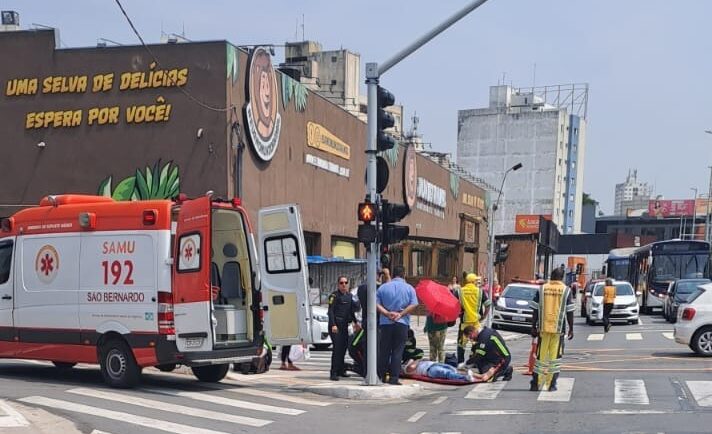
(491, 356)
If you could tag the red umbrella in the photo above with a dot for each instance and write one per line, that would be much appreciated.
(438, 300)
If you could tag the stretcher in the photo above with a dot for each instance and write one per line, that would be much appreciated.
(427, 379)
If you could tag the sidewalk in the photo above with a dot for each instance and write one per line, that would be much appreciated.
(19, 419)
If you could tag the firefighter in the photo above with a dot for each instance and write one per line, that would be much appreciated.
(341, 312)
(490, 354)
(552, 303)
(475, 306)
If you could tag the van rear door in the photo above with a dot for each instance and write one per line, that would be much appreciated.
(6, 290)
(192, 301)
(284, 275)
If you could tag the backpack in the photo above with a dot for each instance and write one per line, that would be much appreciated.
(451, 359)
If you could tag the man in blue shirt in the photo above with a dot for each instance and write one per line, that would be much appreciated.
(395, 301)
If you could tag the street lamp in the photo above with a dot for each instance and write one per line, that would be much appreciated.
(694, 213)
(708, 216)
(490, 262)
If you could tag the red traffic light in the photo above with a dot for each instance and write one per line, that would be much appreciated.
(366, 212)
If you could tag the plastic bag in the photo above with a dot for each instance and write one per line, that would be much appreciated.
(299, 353)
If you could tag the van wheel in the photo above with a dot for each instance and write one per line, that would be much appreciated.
(168, 367)
(118, 366)
(211, 373)
(702, 341)
(64, 365)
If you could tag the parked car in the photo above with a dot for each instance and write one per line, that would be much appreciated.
(320, 325)
(586, 294)
(677, 294)
(625, 305)
(512, 308)
(694, 321)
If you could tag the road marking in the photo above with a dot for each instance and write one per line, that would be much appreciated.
(635, 412)
(669, 335)
(486, 390)
(701, 391)
(215, 399)
(489, 412)
(563, 393)
(634, 336)
(595, 337)
(275, 396)
(96, 431)
(440, 400)
(171, 408)
(416, 417)
(640, 321)
(631, 392)
(12, 418)
(118, 416)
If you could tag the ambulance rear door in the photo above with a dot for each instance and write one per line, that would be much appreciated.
(192, 302)
(284, 275)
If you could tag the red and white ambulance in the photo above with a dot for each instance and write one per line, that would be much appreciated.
(86, 279)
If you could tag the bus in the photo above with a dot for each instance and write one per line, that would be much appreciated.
(618, 263)
(653, 267)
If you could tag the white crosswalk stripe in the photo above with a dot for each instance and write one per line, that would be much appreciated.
(634, 336)
(669, 335)
(565, 387)
(219, 400)
(701, 391)
(595, 337)
(11, 418)
(276, 396)
(486, 390)
(631, 392)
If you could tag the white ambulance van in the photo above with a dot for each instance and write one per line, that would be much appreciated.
(86, 279)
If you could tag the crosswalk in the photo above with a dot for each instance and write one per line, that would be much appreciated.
(215, 411)
(629, 336)
(625, 392)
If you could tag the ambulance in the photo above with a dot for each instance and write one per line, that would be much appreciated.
(128, 285)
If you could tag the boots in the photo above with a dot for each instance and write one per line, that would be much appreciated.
(460, 354)
(552, 386)
(534, 384)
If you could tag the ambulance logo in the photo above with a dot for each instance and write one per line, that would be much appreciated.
(47, 264)
(189, 253)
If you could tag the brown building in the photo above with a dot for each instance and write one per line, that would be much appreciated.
(140, 122)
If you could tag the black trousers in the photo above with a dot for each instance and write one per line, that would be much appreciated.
(340, 340)
(607, 308)
(390, 349)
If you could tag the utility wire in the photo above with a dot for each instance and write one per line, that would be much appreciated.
(158, 63)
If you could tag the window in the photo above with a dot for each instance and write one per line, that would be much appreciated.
(282, 254)
(189, 252)
(333, 59)
(5, 261)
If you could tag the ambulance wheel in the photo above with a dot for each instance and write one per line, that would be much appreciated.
(168, 367)
(64, 365)
(118, 366)
(211, 373)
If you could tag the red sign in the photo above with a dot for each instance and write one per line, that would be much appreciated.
(671, 208)
(528, 223)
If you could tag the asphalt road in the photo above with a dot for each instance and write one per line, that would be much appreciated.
(633, 379)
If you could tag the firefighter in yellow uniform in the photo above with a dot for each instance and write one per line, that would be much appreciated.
(553, 307)
(475, 306)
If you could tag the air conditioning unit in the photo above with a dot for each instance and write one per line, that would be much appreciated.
(10, 21)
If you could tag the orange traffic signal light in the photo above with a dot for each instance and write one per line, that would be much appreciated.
(366, 212)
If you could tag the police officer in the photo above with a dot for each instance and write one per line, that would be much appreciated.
(341, 311)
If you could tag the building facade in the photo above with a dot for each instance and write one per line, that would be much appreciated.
(631, 195)
(545, 130)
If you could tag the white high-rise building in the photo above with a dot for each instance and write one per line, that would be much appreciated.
(631, 194)
(543, 128)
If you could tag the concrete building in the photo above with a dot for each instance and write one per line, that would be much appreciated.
(631, 195)
(543, 128)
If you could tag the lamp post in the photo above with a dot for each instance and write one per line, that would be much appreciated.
(490, 262)
(708, 216)
(694, 213)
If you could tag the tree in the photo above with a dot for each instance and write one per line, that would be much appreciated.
(588, 200)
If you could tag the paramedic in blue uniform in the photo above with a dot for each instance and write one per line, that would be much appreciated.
(341, 312)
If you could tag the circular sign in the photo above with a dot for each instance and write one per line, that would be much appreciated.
(263, 119)
(189, 253)
(47, 264)
(410, 176)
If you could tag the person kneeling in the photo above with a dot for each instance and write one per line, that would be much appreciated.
(427, 368)
(490, 354)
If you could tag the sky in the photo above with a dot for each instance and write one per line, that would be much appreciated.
(648, 63)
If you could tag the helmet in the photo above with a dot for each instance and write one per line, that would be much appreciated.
(472, 278)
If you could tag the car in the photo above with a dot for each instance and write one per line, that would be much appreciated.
(512, 308)
(625, 305)
(694, 321)
(677, 294)
(320, 327)
(586, 294)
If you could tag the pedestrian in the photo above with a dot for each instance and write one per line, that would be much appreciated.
(491, 356)
(609, 297)
(411, 350)
(395, 300)
(454, 287)
(551, 304)
(436, 337)
(287, 364)
(496, 291)
(475, 305)
(341, 312)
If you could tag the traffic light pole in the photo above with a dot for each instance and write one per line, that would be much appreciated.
(373, 74)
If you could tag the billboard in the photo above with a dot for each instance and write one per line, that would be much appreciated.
(528, 223)
(671, 208)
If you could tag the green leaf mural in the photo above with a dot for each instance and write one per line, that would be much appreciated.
(157, 182)
(291, 88)
(233, 60)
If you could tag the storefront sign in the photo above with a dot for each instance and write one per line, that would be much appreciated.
(431, 198)
(671, 208)
(410, 177)
(327, 165)
(263, 120)
(320, 138)
(528, 223)
(473, 201)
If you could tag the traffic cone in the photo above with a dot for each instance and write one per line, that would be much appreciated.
(532, 358)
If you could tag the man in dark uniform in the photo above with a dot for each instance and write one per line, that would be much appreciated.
(490, 354)
(341, 312)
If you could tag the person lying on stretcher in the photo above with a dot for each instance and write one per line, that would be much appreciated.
(428, 368)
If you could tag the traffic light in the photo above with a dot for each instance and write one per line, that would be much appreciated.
(502, 253)
(367, 232)
(385, 141)
(393, 213)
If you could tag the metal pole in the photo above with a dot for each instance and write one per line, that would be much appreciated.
(490, 262)
(707, 216)
(372, 257)
(407, 51)
(694, 214)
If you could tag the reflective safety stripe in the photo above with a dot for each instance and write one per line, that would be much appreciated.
(480, 352)
(358, 338)
(500, 345)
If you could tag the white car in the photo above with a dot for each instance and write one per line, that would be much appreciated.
(625, 305)
(320, 327)
(694, 321)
